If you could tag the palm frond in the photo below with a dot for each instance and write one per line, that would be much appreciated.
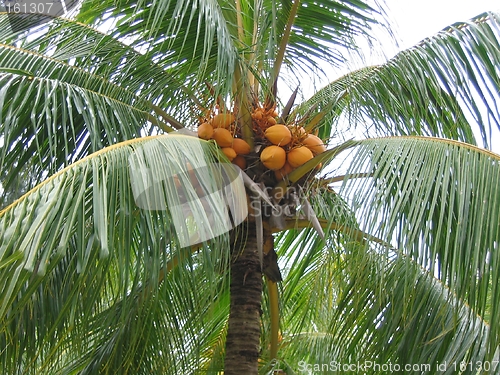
(82, 257)
(352, 300)
(426, 293)
(194, 39)
(439, 200)
(445, 86)
(57, 104)
(207, 38)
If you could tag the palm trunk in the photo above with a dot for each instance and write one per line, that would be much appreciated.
(243, 335)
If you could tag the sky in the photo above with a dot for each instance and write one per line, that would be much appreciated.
(418, 19)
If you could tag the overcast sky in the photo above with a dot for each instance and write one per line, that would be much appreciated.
(418, 19)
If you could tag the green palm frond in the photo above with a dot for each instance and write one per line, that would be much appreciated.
(86, 249)
(350, 302)
(192, 38)
(57, 104)
(205, 37)
(438, 200)
(425, 293)
(437, 88)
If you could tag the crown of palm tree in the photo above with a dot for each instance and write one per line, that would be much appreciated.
(387, 243)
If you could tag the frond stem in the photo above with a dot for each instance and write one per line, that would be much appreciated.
(284, 41)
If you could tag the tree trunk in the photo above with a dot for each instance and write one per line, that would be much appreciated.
(243, 335)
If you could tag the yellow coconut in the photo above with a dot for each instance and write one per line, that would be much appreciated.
(223, 137)
(273, 157)
(315, 144)
(278, 135)
(283, 172)
(205, 131)
(257, 114)
(241, 146)
(229, 152)
(271, 121)
(223, 120)
(299, 156)
(240, 161)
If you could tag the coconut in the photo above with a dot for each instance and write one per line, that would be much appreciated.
(271, 121)
(223, 120)
(257, 114)
(315, 144)
(205, 131)
(241, 146)
(283, 172)
(223, 137)
(229, 152)
(273, 157)
(240, 161)
(298, 156)
(278, 135)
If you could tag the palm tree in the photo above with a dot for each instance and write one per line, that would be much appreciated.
(121, 257)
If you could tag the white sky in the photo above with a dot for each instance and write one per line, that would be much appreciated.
(418, 19)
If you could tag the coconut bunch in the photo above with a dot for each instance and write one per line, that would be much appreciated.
(222, 128)
(283, 147)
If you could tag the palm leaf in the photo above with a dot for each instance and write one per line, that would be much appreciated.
(424, 90)
(205, 38)
(194, 38)
(451, 233)
(84, 250)
(425, 293)
(350, 302)
(56, 104)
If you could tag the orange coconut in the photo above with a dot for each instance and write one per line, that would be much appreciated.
(299, 156)
(283, 172)
(315, 144)
(223, 120)
(271, 121)
(205, 131)
(240, 161)
(223, 137)
(273, 157)
(241, 146)
(278, 135)
(229, 152)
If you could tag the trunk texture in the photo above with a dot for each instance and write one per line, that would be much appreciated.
(243, 335)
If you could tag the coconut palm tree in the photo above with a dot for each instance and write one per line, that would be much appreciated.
(180, 216)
